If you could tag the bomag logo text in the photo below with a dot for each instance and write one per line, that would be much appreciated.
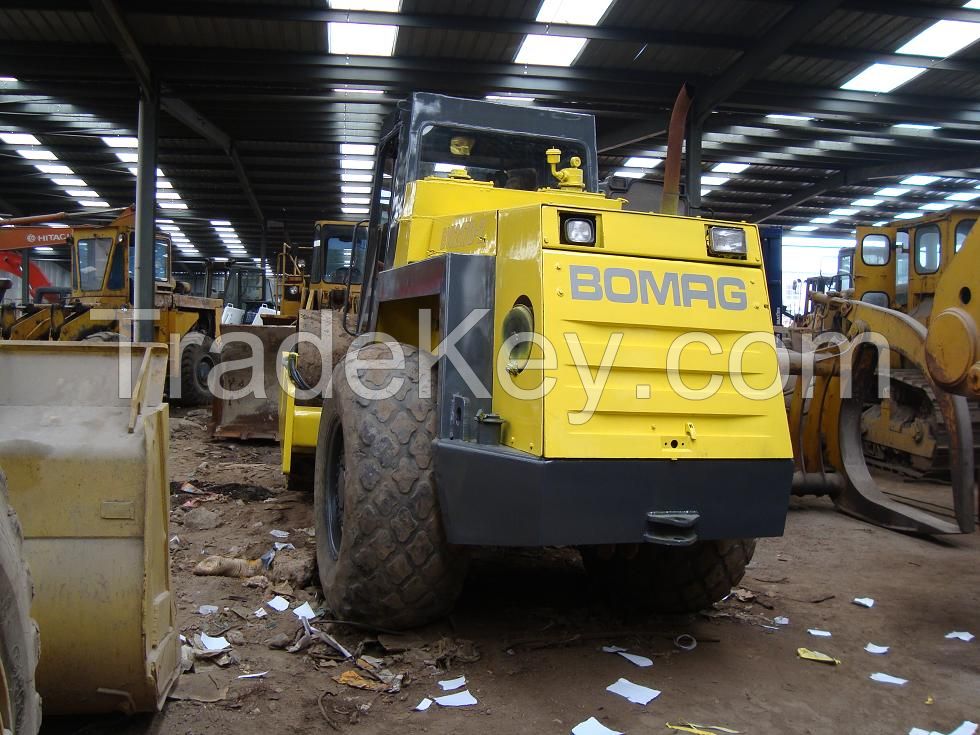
(628, 286)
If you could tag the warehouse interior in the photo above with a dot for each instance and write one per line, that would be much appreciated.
(222, 181)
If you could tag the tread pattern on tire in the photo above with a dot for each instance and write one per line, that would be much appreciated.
(395, 568)
(191, 393)
(20, 643)
(672, 579)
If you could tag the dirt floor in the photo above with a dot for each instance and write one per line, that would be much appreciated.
(528, 631)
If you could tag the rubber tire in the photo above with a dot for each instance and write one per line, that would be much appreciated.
(192, 392)
(102, 337)
(670, 579)
(19, 639)
(394, 568)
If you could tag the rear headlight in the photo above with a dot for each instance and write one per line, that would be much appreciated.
(579, 231)
(726, 242)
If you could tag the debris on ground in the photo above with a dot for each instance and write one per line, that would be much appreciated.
(200, 688)
(864, 601)
(201, 519)
(352, 678)
(222, 566)
(423, 705)
(966, 728)
(960, 635)
(823, 658)
(876, 649)
(819, 633)
(279, 641)
(207, 609)
(449, 684)
(459, 699)
(635, 693)
(447, 651)
(889, 679)
(685, 642)
(278, 603)
(641, 661)
(702, 729)
(209, 643)
(781, 620)
(304, 611)
(592, 726)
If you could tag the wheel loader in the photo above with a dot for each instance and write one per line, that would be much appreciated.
(102, 263)
(87, 613)
(908, 423)
(538, 366)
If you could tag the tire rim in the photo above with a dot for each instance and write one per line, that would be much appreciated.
(336, 483)
(203, 370)
(6, 702)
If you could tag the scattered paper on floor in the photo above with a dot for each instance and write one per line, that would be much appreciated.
(781, 620)
(459, 699)
(823, 658)
(260, 613)
(960, 635)
(423, 705)
(278, 603)
(592, 726)
(279, 534)
(889, 679)
(257, 675)
(864, 601)
(873, 648)
(280, 546)
(304, 611)
(967, 728)
(633, 692)
(641, 661)
(207, 609)
(214, 644)
(819, 633)
(449, 684)
(612, 649)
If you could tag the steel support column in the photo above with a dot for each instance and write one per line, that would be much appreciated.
(262, 259)
(25, 275)
(692, 170)
(146, 184)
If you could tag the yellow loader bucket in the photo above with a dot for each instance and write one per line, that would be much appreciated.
(87, 473)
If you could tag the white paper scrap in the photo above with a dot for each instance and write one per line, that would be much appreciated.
(304, 611)
(781, 620)
(260, 613)
(920, 731)
(280, 546)
(633, 692)
(423, 705)
(819, 633)
(279, 534)
(207, 609)
(449, 684)
(641, 661)
(612, 649)
(592, 726)
(873, 648)
(864, 601)
(889, 679)
(459, 699)
(961, 635)
(967, 728)
(259, 675)
(278, 603)
(214, 644)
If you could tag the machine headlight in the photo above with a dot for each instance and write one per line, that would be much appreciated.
(519, 320)
(292, 291)
(726, 242)
(579, 231)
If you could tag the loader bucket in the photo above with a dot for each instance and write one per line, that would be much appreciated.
(250, 416)
(87, 474)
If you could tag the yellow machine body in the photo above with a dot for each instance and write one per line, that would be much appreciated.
(87, 474)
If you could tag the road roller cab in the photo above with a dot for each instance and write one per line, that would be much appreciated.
(604, 379)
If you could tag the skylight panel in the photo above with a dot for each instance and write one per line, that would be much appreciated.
(844, 211)
(82, 193)
(355, 200)
(52, 168)
(882, 78)
(167, 195)
(780, 116)
(69, 182)
(8, 79)
(629, 174)
(93, 203)
(937, 206)
(220, 223)
(574, 12)
(354, 210)
(120, 141)
(640, 162)
(866, 202)
(823, 220)
(943, 38)
(19, 139)
(356, 149)
(714, 180)
(356, 178)
(356, 163)
(705, 192)
(164, 185)
(367, 189)
(36, 154)
(891, 191)
(915, 126)
(730, 168)
(908, 215)
(361, 39)
(805, 228)
(919, 180)
(964, 196)
(128, 157)
(359, 91)
(513, 99)
(549, 50)
(172, 205)
(380, 6)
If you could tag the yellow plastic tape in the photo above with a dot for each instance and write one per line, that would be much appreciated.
(817, 656)
(684, 728)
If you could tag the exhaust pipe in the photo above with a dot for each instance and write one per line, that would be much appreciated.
(670, 199)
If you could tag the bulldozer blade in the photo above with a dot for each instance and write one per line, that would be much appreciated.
(254, 415)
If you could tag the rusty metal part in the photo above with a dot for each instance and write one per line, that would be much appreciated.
(670, 199)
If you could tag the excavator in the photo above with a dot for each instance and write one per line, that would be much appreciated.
(102, 262)
(892, 390)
